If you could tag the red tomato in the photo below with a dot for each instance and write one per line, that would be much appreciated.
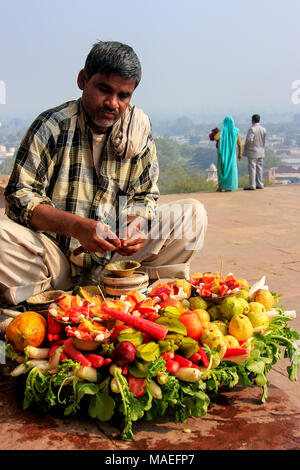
(136, 386)
(192, 323)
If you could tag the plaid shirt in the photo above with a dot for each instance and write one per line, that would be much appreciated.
(54, 165)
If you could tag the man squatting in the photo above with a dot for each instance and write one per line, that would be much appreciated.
(75, 164)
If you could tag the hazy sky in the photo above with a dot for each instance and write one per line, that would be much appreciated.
(197, 56)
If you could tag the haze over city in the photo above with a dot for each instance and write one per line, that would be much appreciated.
(198, 58)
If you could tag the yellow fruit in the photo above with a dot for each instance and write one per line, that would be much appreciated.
(27, 329)
(197, 302)
(256, 307)
(240, 327)
(244, 283)
(214, 312)
(244, 294)
(258, 319)
(231, 341)
(222, 326)
(203, 315)
(214, 339)
(264, 297)
(245, 305)
(231, 306)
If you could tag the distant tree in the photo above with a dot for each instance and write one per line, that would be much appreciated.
(6, 166)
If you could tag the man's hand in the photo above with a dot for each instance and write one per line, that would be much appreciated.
(92, 235)
(135, 239)
(96, 237)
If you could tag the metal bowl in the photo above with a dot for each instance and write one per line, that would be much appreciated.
(122, 268)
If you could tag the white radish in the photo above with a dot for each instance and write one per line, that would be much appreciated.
(86, 373)
(22, 368)
(155, 389)
(55, 358)
(188, 374)
(19, 370)
(37, 353)
(113, 368)
(114, 386)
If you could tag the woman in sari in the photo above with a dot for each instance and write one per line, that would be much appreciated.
(228, 139)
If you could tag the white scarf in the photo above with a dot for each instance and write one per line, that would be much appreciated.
(130, 133)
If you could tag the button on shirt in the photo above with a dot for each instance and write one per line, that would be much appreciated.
(55, 165)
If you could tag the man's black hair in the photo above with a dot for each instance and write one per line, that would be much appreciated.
(113, 57)
(256, 118)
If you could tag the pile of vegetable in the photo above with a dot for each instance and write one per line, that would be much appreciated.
(141, 355)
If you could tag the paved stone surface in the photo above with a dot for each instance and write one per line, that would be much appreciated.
(252, 234)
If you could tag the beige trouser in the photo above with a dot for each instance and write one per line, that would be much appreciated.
(31, 263)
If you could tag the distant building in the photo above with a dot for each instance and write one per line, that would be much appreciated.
(212, 173)
(284, 175)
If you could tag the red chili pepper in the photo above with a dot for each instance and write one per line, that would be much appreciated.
(107, 361)
(168, 356)
(195, 357)
(204, 357)
(183, 362)
(75, 354)
(55, 337)
(172, 366)
(125, 370)
(231, 352)
(96, 360)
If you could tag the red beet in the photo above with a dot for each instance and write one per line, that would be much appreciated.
(124, 353)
